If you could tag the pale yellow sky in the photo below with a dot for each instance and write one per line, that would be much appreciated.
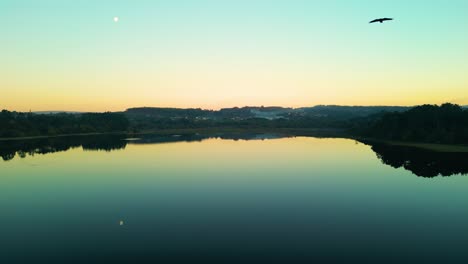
(214, 54)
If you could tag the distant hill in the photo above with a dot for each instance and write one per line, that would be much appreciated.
(338, 117)
(270, 112)
(55, 112)
(157, 112)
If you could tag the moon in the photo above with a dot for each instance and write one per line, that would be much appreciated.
(116, 19)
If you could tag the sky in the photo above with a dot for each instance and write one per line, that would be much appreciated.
(72, 55)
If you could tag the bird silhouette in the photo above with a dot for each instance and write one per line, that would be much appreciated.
(381, 20)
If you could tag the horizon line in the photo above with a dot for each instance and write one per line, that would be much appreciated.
(218, 109)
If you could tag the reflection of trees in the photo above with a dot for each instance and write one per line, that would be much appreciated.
(153, 139)
(23, 148)
(105, 143)
(9, 149)
(421, 162)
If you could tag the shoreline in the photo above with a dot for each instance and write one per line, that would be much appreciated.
(287, 132)
(61, 135)
(436, 147)
(327, 132)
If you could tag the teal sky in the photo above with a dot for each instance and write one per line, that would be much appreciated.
(71, 55)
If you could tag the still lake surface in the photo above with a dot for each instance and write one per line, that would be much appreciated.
(264, 199)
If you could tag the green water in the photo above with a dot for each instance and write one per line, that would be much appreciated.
(224, 200)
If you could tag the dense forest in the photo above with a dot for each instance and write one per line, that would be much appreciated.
(446, 124)
(14, 124)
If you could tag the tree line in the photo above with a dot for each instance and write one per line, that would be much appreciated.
(447, 124)
(15, 124)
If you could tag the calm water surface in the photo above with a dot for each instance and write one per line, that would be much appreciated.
(287, 200)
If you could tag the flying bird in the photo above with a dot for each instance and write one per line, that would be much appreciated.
(381, 20)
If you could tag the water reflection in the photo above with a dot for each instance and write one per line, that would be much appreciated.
(22, 148)
(423, 163)
(420, 162)
(153, 139)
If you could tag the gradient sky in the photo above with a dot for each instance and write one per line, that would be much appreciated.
(71, 55)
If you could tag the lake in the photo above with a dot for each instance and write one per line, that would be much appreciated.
(257, 198)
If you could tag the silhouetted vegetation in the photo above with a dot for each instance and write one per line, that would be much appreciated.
(14, 124)
(428, 123)
(423, 163)
(446, 124)
(22, 148)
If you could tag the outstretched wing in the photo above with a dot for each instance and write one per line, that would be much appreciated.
(381, 20)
